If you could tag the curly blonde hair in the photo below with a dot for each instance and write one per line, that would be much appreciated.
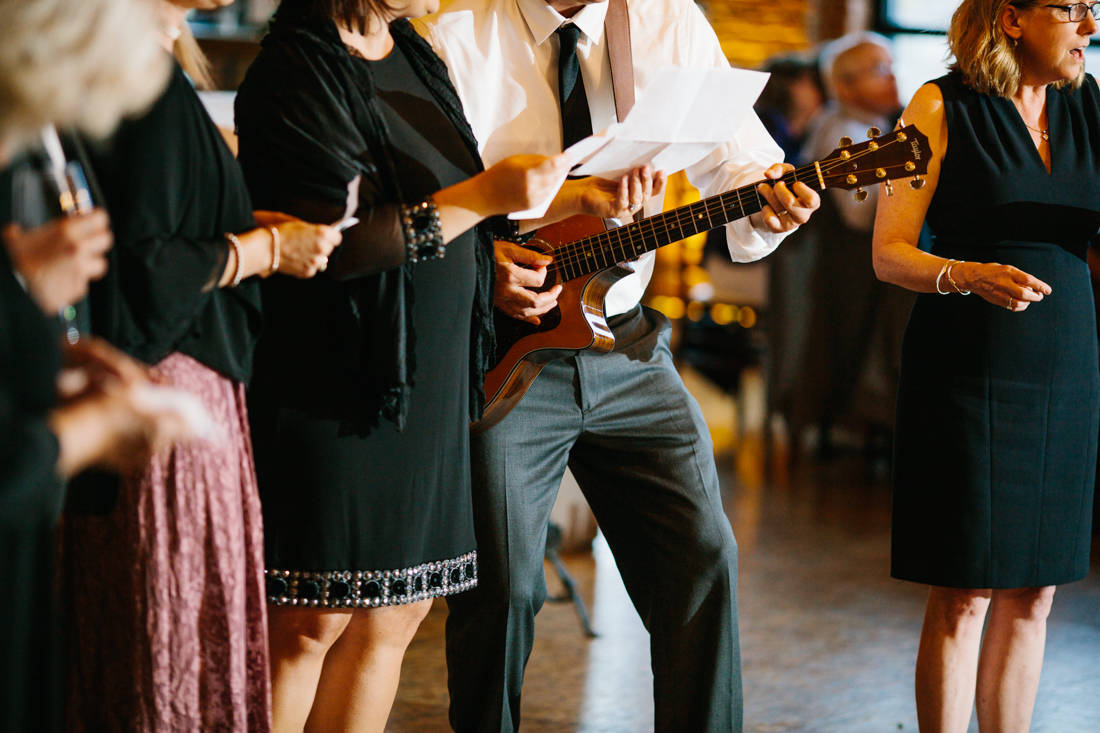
(79, 63)
(983, 53)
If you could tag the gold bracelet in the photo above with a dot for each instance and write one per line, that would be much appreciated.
(276, 250)
(940, 276)
(951, 280)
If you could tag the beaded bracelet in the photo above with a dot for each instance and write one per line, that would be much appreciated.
(940, 277)
(423, 234)
(239, 251)
(951, 280)
(276, 250)
(507, 230)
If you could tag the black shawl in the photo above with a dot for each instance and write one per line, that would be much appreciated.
(309, 123)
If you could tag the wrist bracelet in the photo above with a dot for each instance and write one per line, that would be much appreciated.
(423, 233)
(507, 230)
(951, 280)
(239, 250)
(940, 277)
(276, 250)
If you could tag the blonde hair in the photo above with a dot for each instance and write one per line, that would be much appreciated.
(983, 53)
(76, 63)
(191, 58)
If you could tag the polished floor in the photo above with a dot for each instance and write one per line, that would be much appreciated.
(828, 639)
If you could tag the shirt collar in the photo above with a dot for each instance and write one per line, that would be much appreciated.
(543, 20)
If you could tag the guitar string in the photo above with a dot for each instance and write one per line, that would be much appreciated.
(585, 251)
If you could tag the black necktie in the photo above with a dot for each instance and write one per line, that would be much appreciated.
(576, 120)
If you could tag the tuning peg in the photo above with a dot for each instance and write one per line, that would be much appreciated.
(888, 187)
(861, 195)
(910, 166)
(873, 132)
(917, 183)
(845, 141)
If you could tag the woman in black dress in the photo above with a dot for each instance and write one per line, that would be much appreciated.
(999, 393)
(362, 393)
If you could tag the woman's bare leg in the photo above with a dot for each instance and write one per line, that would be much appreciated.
(300, 638)
(1012, 658)
(362, 669)
(947, 663)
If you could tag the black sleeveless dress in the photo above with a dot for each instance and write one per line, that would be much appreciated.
(996, 437)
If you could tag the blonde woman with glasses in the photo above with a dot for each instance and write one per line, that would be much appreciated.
(999, 393)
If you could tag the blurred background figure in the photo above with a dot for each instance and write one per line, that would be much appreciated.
(847, 368)
(791, 101)
(81, 63)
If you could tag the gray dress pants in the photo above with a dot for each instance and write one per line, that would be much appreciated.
(637, 445)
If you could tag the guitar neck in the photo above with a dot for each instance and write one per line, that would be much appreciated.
(605, 249)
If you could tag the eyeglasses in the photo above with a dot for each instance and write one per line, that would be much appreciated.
(1076, 13)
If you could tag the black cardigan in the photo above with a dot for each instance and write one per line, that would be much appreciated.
(173, 190)
(342, 346)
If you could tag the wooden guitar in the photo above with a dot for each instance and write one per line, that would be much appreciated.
(586, 256)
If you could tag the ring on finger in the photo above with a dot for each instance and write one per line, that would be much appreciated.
(781, 212)
(1011, 304)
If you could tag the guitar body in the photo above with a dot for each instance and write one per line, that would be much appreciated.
(576, 324)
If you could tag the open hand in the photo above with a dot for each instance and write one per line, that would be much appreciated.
(609, 199)
(519, 272)
(1002, 285)
(787, 208)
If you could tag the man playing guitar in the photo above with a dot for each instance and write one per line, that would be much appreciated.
(534, 76)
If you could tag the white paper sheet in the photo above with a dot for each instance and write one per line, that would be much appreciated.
(678, 119)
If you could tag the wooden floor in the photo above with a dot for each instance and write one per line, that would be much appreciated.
(828, 639)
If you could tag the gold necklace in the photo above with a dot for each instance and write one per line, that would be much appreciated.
(1045, 134)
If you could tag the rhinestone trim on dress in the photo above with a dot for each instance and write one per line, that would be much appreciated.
(371, 588)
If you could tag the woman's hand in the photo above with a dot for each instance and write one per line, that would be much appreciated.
(305, 247)
(1002, 285)
(521, 182)
(787, 208)
(58, 259)
(605, 198)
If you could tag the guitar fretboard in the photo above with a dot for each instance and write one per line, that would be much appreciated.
(605, 249)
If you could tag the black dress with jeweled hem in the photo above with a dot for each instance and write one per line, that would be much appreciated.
(358, 517)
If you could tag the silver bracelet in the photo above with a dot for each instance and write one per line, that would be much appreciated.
(951, 280)
(239, 250)
(423, 233)
(940, 277)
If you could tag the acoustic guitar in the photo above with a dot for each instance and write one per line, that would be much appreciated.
(587, 256)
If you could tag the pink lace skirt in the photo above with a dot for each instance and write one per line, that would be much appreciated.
(168, 628)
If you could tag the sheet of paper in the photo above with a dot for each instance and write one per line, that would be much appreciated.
(678, 119)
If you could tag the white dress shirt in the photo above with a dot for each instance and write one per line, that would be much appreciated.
(502, 56)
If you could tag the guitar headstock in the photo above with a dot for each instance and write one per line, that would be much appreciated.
(898, 154)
